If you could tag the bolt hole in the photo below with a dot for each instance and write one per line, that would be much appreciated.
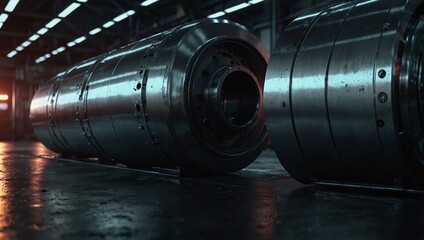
(382, 73)
(138, 86)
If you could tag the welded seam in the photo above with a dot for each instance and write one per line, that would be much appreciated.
(314, 20)
(327, 111)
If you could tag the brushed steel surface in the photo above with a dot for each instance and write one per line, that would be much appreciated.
(189, 97)
(343, 92)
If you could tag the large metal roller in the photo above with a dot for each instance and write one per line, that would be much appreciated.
(344, 92)
(190, 97)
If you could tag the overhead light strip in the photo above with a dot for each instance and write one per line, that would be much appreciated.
(3, 17)
(95, 31)
(83, 38)
(53, 23)
(234, 8)
(148, 2)
(68, 10)
(11, 5)
(9, 8)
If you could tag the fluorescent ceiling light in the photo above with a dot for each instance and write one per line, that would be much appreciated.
(69, 9)
(34, 37)
(108, 24)
(47, 55)
(11, 54)
(236, 7)
(120, 17)
(42, 31)
(80, 39)
(54, 52)
(26, 43)
(71, 44)
(19, 48)
(218, 14)
(95, 31)
(61, 49)
(41, 59)
(53, 23)
(124, 15)
(11, 5)
(1, 24)
(82, 0)
(255, 1)
(148, 2)
(3, 17)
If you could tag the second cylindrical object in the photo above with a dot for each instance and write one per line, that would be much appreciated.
(344, 92)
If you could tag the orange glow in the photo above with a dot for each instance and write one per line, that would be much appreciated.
(4, 97)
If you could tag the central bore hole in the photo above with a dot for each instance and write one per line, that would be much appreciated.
(239, 98)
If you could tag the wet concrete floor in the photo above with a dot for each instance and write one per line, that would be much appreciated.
(42, 197)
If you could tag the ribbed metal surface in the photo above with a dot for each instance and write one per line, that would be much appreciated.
(188, 97)
(343, 94)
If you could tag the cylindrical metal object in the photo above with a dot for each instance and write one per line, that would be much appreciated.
(188, 97)
(343, 94)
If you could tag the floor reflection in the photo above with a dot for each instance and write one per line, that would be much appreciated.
(25, 148)
(43, 198)
(20, 196)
